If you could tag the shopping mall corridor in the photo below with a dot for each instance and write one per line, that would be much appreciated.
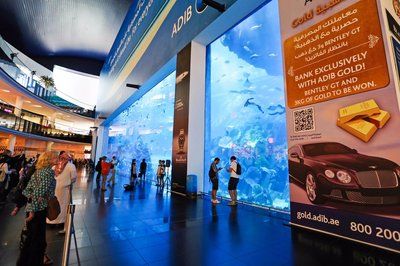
(148, 227)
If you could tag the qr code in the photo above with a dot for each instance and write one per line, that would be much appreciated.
(304, 120)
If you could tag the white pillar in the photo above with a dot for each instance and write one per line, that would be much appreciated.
(94, 144)
(49, 145)
(102, 141)
(196, 113)
(11, 142)
(19, 101)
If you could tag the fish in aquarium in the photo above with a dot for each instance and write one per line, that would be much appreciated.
(253, 56)
(276, 109)
(245, 126)
(243, 91)
(256, 27)
(250, 103)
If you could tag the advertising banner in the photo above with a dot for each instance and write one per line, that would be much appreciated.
(181, 121)
(343, 120)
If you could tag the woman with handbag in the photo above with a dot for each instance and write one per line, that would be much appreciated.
(39, 192)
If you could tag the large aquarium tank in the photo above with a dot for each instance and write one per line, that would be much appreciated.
(246, 109)
(144, 130)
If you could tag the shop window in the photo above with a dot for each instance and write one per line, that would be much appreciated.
(144, 130)
(246, 109)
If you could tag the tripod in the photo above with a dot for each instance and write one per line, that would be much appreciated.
(167, 179)
(70, 231)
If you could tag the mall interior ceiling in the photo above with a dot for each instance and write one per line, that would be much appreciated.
(72, 33)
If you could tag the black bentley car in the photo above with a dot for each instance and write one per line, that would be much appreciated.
(331, 170)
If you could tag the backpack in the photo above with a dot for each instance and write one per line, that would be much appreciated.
(238, 169)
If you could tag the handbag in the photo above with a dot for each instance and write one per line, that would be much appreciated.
(53, 208)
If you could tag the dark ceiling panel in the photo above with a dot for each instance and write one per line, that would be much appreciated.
(80, 29)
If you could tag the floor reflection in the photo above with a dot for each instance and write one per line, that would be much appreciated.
(147, 226)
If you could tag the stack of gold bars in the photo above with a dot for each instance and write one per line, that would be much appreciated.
(362, 119)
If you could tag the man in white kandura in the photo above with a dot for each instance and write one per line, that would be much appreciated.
(65, 174)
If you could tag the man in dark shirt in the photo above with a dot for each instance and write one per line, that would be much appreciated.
(213, 174)
(143, 168)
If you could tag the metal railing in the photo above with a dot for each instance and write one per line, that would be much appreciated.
(11, 121)
(18, 71)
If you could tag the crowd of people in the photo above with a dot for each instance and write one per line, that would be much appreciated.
(35, 183)
(104, 168)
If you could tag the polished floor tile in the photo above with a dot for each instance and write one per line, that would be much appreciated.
(150, 227)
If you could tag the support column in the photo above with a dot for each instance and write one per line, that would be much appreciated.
(12, 139)
(102, 141)
(197, 94)
(49, 145)
(188, 132)
(19, 101)
(94, 143)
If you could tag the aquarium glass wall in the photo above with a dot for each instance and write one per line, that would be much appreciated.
(246, 109)
(144, 130)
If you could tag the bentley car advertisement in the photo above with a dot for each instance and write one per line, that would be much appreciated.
(343, 118)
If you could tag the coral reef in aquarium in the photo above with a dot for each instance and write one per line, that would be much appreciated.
(144, 130)
(246, 109)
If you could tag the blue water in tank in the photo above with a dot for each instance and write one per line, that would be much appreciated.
(246, 109)
(144, 130)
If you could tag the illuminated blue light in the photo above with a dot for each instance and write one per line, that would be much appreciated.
(246, 109)
(144, 130)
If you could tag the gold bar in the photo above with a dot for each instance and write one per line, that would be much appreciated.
(359, 110)
(379, 120)
(360, 128)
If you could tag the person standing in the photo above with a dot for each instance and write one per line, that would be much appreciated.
(160, 172)
(213, 175)
(65, 172)
(40, 188)
(133, 172)
(143, 169)
(98, 169)
(114, 163)
(233, 181)
(105, 170)
(25, 176)
(5, 174)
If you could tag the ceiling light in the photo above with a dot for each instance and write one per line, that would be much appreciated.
(28, 101)
(6, 90)
(36, 105)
